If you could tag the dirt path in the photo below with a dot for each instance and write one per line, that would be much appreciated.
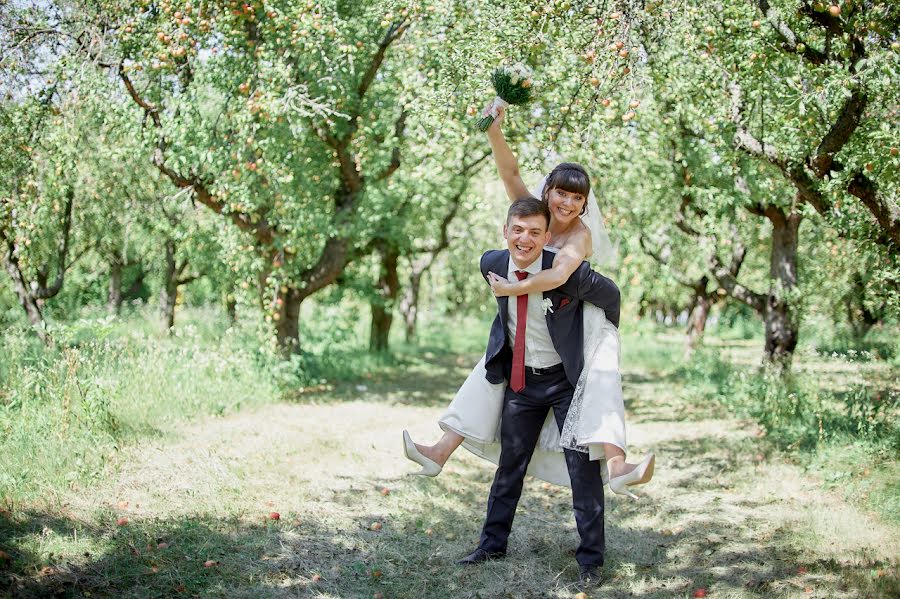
(718, 517)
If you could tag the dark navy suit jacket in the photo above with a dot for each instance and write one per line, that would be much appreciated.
(565, 322)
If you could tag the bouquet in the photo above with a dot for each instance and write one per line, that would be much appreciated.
(513, 85)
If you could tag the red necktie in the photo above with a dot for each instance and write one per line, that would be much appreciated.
(517, 379)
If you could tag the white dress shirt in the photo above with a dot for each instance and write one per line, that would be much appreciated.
(539, 350)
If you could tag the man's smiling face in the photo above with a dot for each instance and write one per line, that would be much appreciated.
(526, 237)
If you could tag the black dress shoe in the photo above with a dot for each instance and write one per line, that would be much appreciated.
(480, 555)
(590, 575)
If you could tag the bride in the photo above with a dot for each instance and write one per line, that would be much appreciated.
(596, 420)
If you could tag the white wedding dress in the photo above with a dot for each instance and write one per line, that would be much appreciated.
(596, 414)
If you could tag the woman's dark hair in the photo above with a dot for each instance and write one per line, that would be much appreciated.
(570, 177)
(528, 206)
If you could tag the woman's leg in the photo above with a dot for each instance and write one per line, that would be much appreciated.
(622, 474)
(615, 460)
(441, 451)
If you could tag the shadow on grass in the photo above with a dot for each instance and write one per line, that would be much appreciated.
(197, 556)
(428, 380)
(422, 527)
(727, 545)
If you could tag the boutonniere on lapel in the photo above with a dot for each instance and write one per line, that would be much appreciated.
(547, 305)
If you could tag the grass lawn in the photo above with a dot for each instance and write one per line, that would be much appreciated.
(188, 511)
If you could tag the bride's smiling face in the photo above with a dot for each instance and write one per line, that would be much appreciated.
(565, 206)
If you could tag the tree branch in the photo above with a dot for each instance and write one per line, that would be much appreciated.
(149, 109)
(729, 283)
(839, 134)
(679, 277)
(399, 127)
(789, 37)
(746, 141)
(884, 209)
(394, 32)
(823, 19)
(44, 292)
(259, 227)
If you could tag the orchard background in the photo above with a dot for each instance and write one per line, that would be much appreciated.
(239, 244)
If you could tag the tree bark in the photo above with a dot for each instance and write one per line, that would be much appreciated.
(859, 316)
(782, 328)
(287, 320)
(388, 287)
(231, 308)
(31, 293)
(696, 326)
(169, 291)
(26, 299)
(135, 288)
(409, 303)
(114, 293)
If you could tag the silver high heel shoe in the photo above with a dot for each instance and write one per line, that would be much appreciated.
(642, 473)
(429, 467)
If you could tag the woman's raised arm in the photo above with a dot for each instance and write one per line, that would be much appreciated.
(507, 166)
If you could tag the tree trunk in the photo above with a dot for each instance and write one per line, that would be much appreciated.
(169, 291)
(388, 287)
(699, 314)
(782, 328)
(231, 308)
(860, 318)
(287, 320)
(114, 293)
(135, 288)
(29, 303)
(409, 303)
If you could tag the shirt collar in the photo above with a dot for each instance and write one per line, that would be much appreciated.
(532, 269)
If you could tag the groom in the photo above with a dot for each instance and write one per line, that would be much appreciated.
(537, 345)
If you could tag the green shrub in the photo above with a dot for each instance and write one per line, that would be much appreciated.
(794, 410)
(65, 411)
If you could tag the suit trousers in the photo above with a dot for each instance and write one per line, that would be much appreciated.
(520, 426)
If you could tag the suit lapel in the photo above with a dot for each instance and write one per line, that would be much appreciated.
(547, 262)
(501, 266)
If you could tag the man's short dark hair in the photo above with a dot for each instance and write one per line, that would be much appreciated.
(528, 206)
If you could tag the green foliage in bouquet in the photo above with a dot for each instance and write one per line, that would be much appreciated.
(513, 86)
(510, 92)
